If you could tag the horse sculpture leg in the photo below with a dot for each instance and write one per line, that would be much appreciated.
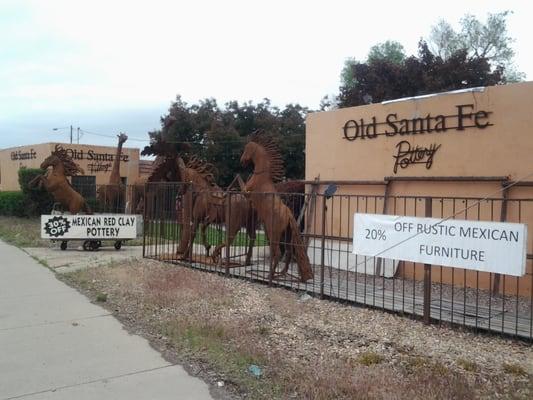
(232, 230)
(203, 233)
(287, 246)
(251, 228)
(251, 244)
(188, 253)
(275, 253)
(38, 181)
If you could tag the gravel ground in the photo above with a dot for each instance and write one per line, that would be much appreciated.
(295, 336)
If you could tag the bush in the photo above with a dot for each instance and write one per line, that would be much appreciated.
(12, 204)
(37, 201)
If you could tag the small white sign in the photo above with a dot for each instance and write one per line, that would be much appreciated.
(98, 227)
(477, 245)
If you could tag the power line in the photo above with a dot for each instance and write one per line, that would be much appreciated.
(112, 136)
(236, 140)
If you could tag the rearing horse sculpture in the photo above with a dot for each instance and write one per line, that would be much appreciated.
(56, 183)
(276, 217)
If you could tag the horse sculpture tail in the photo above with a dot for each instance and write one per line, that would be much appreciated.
(299, 251)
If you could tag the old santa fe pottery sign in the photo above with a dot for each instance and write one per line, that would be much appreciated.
(475, 245)
(89, 227)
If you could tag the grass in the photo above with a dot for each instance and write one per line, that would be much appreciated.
(44, 263)
(101, 297)
(171, 231)
(22, 232)
(468, 365)
(514, 369)
(370, 358)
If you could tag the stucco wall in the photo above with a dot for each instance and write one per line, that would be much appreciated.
(503, 147)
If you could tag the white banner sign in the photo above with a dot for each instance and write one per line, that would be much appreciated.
(481, 246)
(98, 227)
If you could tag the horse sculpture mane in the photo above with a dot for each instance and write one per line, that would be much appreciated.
(277, 171)
(164, 169)
(71, 168)
(206, 170)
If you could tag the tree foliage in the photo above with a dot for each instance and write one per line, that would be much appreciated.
(219, 134)
(480, 54)
(489, 40)
(388, 51)
(416, 75)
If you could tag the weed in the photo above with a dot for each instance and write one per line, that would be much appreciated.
(44, 263)
(101, 297)
(370, 358)
(468, 365)
(263, 330)
(514, 369)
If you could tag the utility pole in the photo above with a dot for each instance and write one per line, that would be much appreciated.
(78, 135)
(70, 134)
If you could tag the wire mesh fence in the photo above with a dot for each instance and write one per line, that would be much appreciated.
(112, 199)
(223, 233)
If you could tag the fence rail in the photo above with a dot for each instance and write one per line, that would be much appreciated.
(438, 294)
(113, 199)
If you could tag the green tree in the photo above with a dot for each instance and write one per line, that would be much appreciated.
(489, 40)
(423, 74)
(387, 51)
(219, 135)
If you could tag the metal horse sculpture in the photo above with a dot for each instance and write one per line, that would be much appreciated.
(204, 202)
(56, 183)
(276, 217)
(111, 195)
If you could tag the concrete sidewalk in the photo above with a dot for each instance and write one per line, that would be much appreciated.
(55, 344)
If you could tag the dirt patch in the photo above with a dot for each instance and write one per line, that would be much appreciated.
(268, 343)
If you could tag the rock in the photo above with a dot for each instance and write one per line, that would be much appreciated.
(255, 370)
(305, 297)
(220, 383)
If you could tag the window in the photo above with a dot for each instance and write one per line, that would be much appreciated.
(85, 185)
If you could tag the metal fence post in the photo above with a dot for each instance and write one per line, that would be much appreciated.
(144, 220)
(228, 243)
(323, 247)
(427, 271)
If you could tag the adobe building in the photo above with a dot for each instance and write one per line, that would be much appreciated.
(457, 146)
(96, 162)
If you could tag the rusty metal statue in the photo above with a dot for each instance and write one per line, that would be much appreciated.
(56, 183)
(111, 195)
(276, 217)
(204, 202)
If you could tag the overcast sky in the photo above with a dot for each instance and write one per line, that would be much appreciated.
(110, 66)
